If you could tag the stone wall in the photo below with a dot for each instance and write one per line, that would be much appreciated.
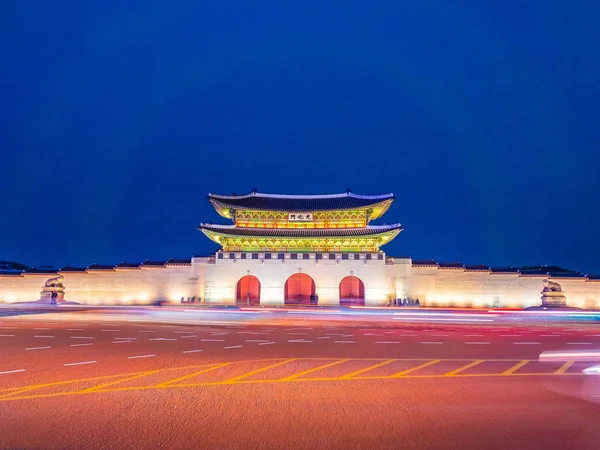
(223, 275)
(435, 286)
(118, 286)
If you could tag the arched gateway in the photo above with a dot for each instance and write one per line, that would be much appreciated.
(300, 290)
(352, 292)
(248, 291)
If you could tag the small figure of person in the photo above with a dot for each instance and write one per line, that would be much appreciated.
(417, 304)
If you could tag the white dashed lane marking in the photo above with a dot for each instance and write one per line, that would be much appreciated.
(41, 329)
(43, 336)
(161, 339)
(36, 348)
(267, 343)
(344, 342)
(387, 342)
(12, 371)
(110, 331)
(579, 343)
(476, 343)
(6, 335)
(141, 356)
(298, 341)
(431, 342)
(526, 343)
(188, 336)
(81, 337)
(234, 346)
(79, 363)
(74, 329)
(257, 340)
(191, 351)
(80, 345)
(212, 340)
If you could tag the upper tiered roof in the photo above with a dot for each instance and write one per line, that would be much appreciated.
(227, 204)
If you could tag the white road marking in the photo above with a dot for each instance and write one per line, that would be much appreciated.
(306, 334)
(36, 348)
(267, 343)
(257, 340)
(510, 335)
(183, 332)
(212, 340)
(220, 333)
(41, 336)
(324, 337)
(74, 329)
(409, 335)
(387, 342)
(372, 334)
(12, 371)
(124, 339)
(41, 328)
(235, 346)
(188, 336)
(298, 341)
(111, 330)
(9, 328)
(578, 343)
(432, 342)
(80, 363)
(191, 351)
(526, 343)
(82, 337)
(6, 335)
(146, 331)
(108, 324)
(476, 343)
(120, 342)
(80, 345)
(141, 356)
(550, 335)
(161, 339)
(344, 342)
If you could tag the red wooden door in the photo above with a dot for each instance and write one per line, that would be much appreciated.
(248, 291)
(352, 291)
(299, 289)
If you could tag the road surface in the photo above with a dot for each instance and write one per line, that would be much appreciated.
(83, 380)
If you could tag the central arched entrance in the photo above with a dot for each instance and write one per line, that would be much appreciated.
(248, 291)
(352, 292)
(300, 290)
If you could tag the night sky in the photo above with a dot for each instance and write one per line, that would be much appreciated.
(117, 118)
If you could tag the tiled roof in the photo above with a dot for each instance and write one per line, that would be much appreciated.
(275, 202)
(179, 262)
(73, 269)
(566, 275)
(125, 265)
(154, 263)
(34, 270)
(100, 267)
(477, 267)
(232, 230)
(424, 262)
(454, 265)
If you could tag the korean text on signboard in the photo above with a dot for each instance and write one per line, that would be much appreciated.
(300, 217)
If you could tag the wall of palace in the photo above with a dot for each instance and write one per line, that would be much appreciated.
(118, 286)
(215, 280)
(222, 277)
(456, 286)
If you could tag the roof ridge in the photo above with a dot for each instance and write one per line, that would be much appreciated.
(301, 196)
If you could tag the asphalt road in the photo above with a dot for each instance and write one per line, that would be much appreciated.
(78, 381)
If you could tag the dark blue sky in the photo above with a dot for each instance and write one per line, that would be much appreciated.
(117, 118)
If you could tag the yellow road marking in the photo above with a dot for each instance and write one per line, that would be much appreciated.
(325, 366)
(460, 369)
(564, 367)
(262, 369)
(412, 369)
(515, 367)
(190, 375)
(366, 369)
(122, 380)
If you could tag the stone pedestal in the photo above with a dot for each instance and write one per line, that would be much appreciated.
(50, 295)
(554, 299)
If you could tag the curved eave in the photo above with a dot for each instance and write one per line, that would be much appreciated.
(384, 234)
(375, 211)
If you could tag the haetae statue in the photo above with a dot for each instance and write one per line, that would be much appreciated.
(552, 294)
(551, 286)
(55, 282)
